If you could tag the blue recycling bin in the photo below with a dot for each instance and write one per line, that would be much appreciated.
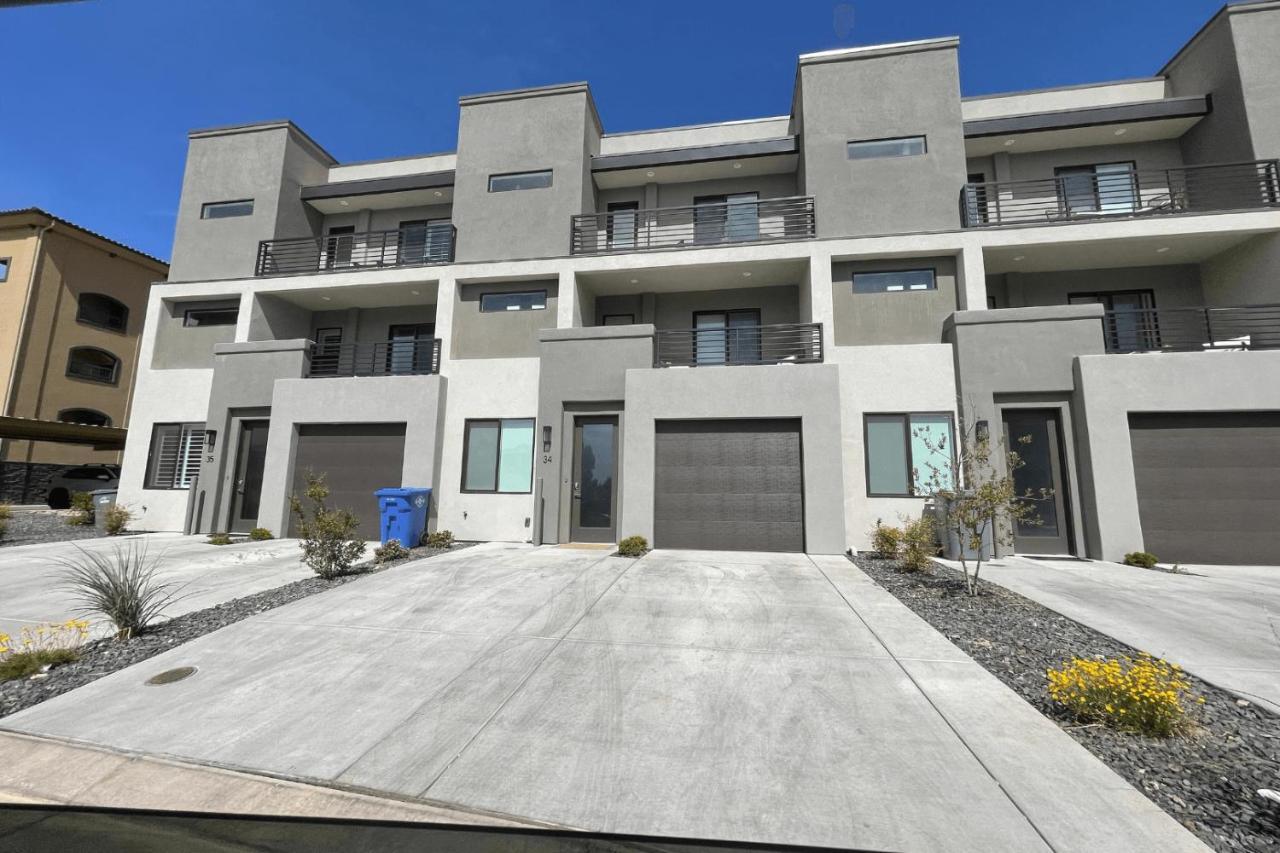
(404, 514)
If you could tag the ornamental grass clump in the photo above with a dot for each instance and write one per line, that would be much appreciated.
(120, 585)
(1146, 695)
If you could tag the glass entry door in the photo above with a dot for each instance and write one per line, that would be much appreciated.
(1046, 530)
(727, 337)
(595, 479)
(251, 456)
(409, 348)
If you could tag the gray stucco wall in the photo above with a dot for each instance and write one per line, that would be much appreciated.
(244, 377)
(808, 392)
(182, 346)
(275, 319)
(1148, 156)
(267, 164)
(523, 133)
(892, 318)
(1110, 387)
(1248, 274)
(776, 304)
(1174, 286)
(681, 194)
(565, 389)
(415, 401)
(500, 334)
(875, 96)
(1257, 33)
(1209, 66)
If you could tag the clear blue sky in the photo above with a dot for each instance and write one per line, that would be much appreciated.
(95, 130)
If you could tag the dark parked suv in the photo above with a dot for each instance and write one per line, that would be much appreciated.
(83, 478)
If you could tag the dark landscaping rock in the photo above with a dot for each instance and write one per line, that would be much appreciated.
(31, 527)
(1207, 781)
(103, 657)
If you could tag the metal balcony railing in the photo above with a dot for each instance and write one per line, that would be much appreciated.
(712, 224)
(1118, 192)
(383, 358)
(781, 343)
(1192, 329)
(400, 247)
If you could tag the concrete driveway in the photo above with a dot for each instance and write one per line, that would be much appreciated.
(1220, 622)
(30, 575)
(775, 698)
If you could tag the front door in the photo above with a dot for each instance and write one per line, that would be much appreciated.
(251, 453)
(595, 479)
(1046, 531)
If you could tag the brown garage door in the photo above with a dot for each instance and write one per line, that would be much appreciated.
(357, 460)
(1207, 485)
(729, 485)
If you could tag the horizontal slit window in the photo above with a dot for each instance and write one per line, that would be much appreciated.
(210, 317)
(519, 181)
(902, 146)
(226, 209)
(897, 281)
(527, 300)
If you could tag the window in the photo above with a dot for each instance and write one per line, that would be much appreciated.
(1130, 323)
(528, 300)
(93, 364)
(337, 249)
(4, 269)
(726, 337)
(327, 355)
(900, 461)
(519, 181)
(1099, 188)
(897, 281)
(91, 417)
(619, 319)
(903, 146)
(224, 209)
(498, 456)
(621, 224)
(424, 241)
(210, 317)
(726, 218)
(410, 347)
(174, 460)
(98, 309)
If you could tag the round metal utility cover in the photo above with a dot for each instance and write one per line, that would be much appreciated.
(171, 675)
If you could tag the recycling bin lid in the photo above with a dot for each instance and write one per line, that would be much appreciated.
(401, 491)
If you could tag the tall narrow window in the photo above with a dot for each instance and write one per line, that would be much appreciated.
(338, 247)
(498, 456)
(4, 269)
(908, 455)
(621, 225)
(174, 460)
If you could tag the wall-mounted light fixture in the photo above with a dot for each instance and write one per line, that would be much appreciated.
(210, 438)
(546, 438)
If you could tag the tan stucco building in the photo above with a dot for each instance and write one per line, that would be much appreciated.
(70, 320)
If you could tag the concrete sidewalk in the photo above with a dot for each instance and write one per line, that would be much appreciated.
(1221, 623)
(762, 697)
(31, 590)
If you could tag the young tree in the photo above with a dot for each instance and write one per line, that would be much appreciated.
(329, 540)
(980, 497)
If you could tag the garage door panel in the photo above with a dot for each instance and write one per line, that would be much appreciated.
(1206, 485)
(729, 485)
(356, 460)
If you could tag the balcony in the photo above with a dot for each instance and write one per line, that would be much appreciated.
(383, 358)
(343, 252)
(1192, 329)
(782, 343)
(1118, 191)
(709, 224)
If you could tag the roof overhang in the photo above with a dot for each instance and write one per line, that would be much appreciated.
(381, 193)
(30, 429)
(1145, 121)
(697, 163)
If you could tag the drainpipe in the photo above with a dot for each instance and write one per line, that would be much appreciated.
(23, 332)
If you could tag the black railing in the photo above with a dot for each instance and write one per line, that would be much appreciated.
(781, 343)
(1192, 329)
(712, 224)
(383, 358)
(400, 247)
(1121, 192)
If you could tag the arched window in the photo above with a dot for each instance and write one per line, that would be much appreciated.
(93, 364)
(105, 312)
(92, 417)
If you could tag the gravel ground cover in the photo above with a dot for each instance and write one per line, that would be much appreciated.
(1208, 780)
(31, 527)
(103, 657)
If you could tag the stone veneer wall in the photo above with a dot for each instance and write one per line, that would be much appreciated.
(26, 482)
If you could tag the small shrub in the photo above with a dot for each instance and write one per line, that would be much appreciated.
(1141, 559)
(919, 542)
(219, 538)
(4, 529)
(633, 546)
(442, 539)
(329, 539)
(260, 534)
(393, 550)
(115, 520)
(886, 540)
(6, 511)
(45, 645)
(1144, 695)
(120, 585)
(81, 509)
